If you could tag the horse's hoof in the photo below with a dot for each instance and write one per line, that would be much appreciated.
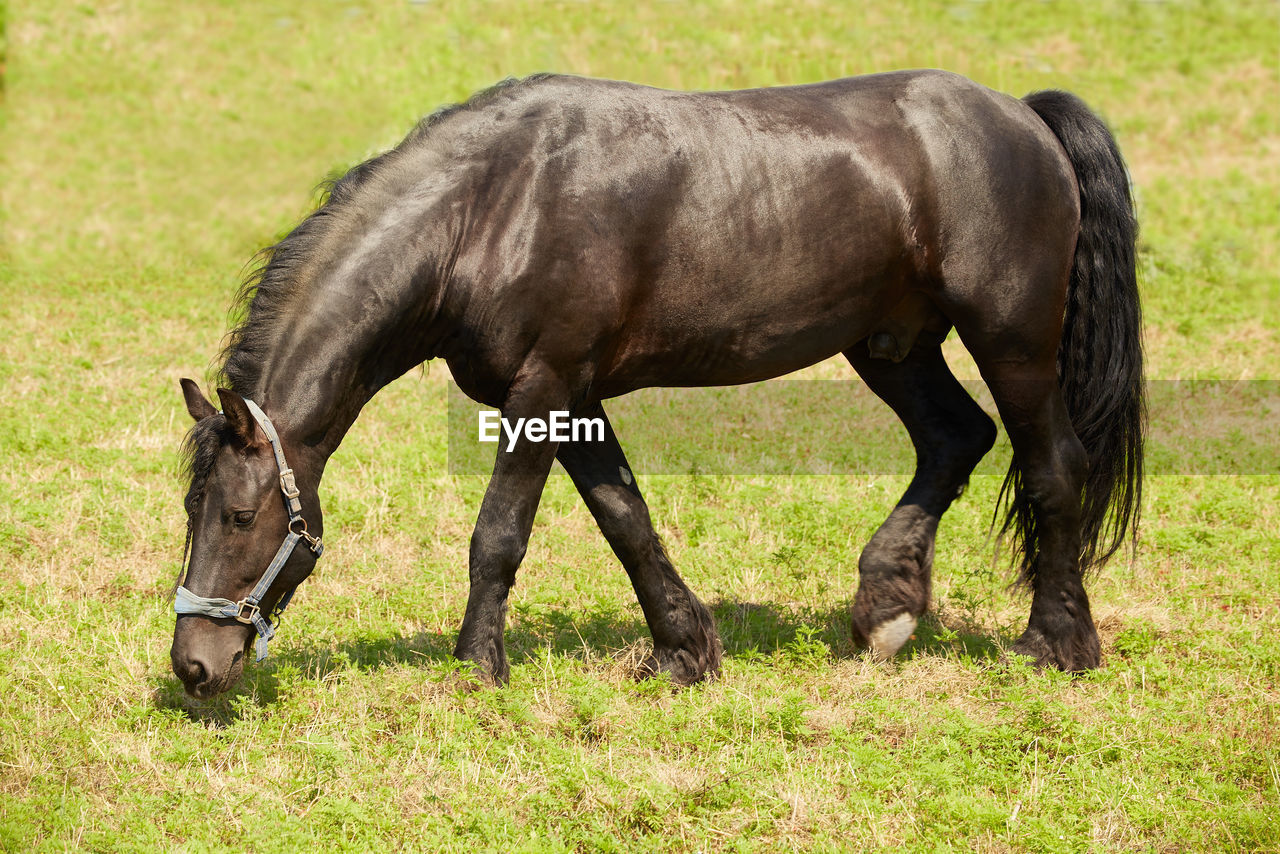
(685, 666)
(886, 639)
(1076, 656)
(473, 675)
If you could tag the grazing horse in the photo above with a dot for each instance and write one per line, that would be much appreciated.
(560, 241)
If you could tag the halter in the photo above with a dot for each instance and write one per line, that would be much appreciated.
(248, 610)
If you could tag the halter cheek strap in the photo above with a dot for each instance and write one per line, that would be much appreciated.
(248, 610)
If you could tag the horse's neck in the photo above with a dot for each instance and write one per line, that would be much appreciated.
(312, 390)
(367, 309)
(348, 338)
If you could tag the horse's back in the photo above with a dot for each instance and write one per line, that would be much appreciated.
(822, 173)
(713, 237)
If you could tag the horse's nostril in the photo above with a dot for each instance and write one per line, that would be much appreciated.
(192, 671)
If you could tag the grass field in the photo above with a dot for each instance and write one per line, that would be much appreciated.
(149, 149)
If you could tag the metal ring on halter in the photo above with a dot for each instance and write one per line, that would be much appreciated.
(314, 542)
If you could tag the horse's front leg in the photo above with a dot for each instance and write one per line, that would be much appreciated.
(685, 642)
(502, 530)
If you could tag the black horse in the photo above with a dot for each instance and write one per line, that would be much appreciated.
(560, 241)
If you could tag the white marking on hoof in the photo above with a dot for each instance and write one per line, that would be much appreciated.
(888, 638)
(626, 475)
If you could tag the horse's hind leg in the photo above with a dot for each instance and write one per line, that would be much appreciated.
(951, 434)
(1017, 355)
(1052, 465)
(685, 642)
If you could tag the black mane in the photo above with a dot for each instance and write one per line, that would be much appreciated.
(199, 450)
(266, 293)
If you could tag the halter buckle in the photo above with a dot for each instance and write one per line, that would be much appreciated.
(288, 485)
(240, 615)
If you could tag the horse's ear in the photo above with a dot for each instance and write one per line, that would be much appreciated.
(199, 408)
(241, 421)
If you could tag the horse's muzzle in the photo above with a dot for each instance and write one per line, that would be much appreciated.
(202, 659)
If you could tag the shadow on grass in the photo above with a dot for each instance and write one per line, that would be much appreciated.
(935, 635)
(748, 630)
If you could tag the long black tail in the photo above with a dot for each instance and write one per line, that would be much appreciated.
(1100, 355)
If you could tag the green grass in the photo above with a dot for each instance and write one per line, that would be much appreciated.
(149, 149)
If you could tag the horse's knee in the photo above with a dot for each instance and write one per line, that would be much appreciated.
(496, 550)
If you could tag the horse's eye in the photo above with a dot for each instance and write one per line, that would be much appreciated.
(244, 518)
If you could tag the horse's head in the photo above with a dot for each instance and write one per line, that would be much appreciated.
(239, 513)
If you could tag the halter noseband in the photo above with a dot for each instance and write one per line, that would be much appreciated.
(248, 610)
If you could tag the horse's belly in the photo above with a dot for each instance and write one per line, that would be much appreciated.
(712, 337)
